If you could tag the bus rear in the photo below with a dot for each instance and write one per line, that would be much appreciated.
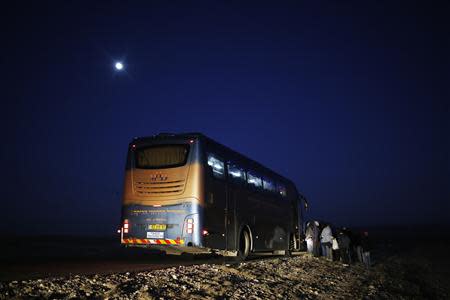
(163, 194)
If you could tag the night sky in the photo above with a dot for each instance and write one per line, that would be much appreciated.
(349, 99)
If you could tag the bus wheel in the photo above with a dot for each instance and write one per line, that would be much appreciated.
(244, 245)
(292, 245)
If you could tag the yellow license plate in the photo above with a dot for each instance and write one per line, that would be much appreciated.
(157, 226)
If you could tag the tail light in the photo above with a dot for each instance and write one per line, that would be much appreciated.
(205, 232)
(189, 226)
(126, 226)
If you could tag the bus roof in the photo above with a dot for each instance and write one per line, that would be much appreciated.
(188, 135)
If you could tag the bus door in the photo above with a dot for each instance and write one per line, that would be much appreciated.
(216, 203)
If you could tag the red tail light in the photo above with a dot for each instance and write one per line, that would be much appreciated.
(190, 226)
(126, 226)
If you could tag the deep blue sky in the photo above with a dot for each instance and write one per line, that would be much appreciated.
(349, 99)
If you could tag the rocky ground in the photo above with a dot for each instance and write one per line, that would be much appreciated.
(298, 277)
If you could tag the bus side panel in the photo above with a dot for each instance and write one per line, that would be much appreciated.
(234, 196)
(297, 214)
(283, 223)
(254, 210)
(215, 208)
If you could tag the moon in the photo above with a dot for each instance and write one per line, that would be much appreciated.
(119, 66)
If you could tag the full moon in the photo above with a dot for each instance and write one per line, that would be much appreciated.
(119, 66)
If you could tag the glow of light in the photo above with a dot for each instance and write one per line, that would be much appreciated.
(119, 66)
(235, 173)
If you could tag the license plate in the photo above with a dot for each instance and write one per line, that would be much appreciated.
(155, 235)
(157, 226)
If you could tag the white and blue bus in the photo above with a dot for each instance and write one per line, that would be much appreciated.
(188, 193)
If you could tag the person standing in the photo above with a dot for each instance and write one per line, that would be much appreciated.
(356, 242)
(316, 239)
(335, 248)
(344, 247)
(326, 240)
(309, 237)
(366, 247)
(312, 238)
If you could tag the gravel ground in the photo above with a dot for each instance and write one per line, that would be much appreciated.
(299, 277)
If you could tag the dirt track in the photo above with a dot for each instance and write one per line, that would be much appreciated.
(300, 277)
(97, 269)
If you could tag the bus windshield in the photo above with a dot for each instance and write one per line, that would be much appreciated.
(161, 156)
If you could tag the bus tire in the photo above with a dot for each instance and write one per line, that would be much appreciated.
(292, 245)
(244, 245)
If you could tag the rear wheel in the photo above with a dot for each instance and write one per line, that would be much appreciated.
(292, 245)
(244, 245)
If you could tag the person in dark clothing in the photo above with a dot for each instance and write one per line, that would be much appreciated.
(344, 247)
(335, 248)
(366, 247)
(357, 247)
(354, 242)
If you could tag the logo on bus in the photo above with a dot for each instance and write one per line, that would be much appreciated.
(158, 177)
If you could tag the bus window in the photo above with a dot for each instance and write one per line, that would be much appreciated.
(236, 173)
(254, 180)
(161, 156)
(268, 185)
(216, 165)
(282, 190)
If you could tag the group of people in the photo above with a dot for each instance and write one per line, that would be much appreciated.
(338, 245)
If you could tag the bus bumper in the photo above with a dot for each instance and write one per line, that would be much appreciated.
(162, 227)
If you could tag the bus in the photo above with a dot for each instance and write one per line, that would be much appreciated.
(186, 193)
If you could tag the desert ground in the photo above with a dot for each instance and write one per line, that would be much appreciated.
(402, 269)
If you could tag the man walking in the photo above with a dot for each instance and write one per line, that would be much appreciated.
(326, 240)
